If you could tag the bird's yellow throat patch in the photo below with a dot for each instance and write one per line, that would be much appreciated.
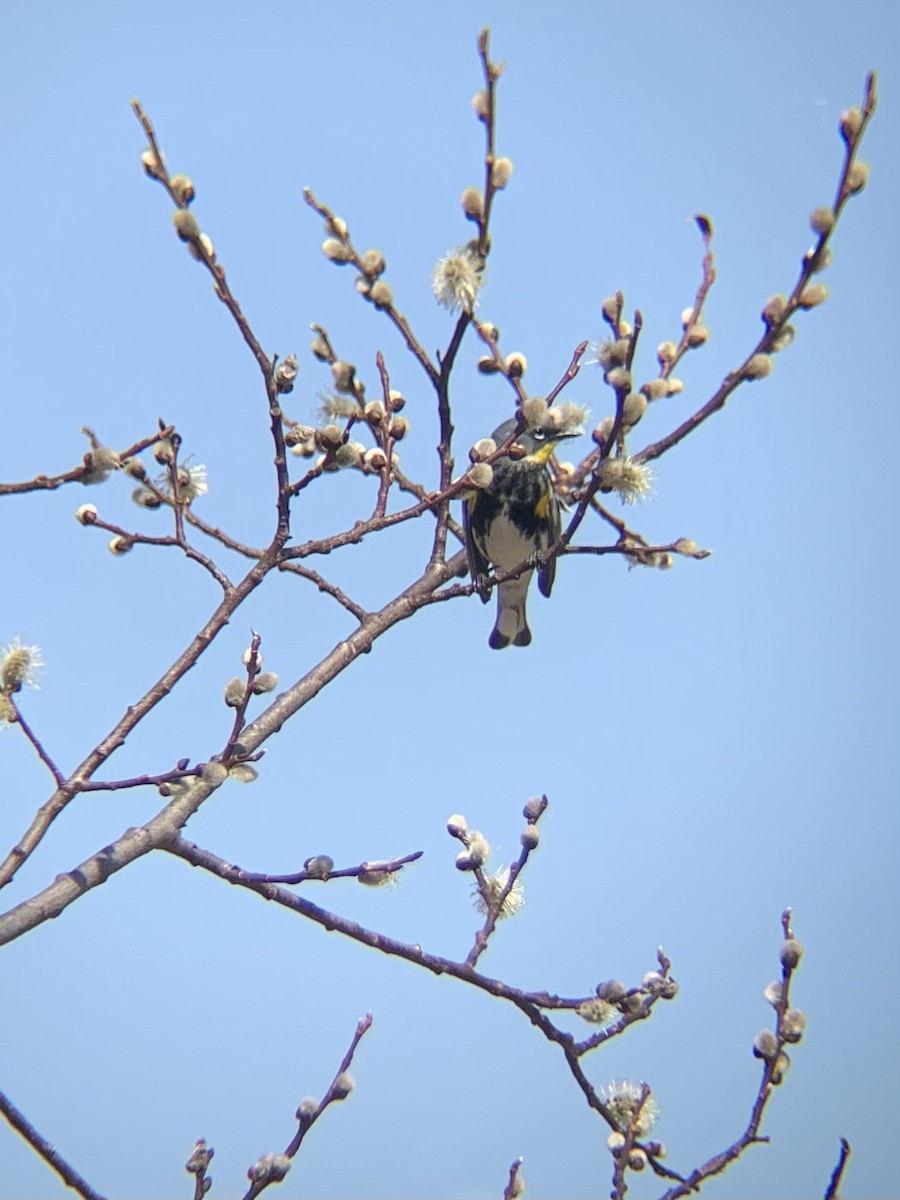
(542, 454)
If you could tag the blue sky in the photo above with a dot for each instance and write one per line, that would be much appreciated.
(717, 741)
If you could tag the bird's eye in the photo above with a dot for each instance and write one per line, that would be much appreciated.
(539, 435)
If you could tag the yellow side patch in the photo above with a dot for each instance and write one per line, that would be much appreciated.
(542, 507)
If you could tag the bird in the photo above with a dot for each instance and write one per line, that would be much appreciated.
(507, 523)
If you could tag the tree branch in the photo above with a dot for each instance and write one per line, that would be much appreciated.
(47, 1151)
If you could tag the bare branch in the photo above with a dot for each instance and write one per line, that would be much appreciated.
(834, 1183)
(47, 1151)
(514, 1186)
(37, 744)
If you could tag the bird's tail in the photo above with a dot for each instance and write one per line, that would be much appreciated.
(511, 626)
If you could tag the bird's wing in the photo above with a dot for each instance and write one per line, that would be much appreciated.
(479, 567)
(547, 573)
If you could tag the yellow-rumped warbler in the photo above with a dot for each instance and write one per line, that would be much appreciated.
(506, 523)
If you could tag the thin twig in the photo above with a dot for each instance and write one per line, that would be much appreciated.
(240, 709)
(216, 271)
(837, 1174)
(37, 744)
(51, 1156)
(704, 224)
(570, 372)
(120, 785)
(49, 483)
(514, 1186)
(386, 867)
(327, 588)
(176, 540)
(385, 475)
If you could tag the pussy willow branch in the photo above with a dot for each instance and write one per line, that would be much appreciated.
(502, 367)
(388, 866)
(615, 1028)
(233, 597)
(492, 73)
(530, 1004)
(638, 550)
(49, 483)
(240, 710)
(362, 1028)
(809, 267)
(751, 1135)
(177, 540)
(133, 715)
(448, 359)
(225, 294)
(177, 506)
(384, 478)
(135, 843)
(709, 278)
(47, 1151)
(333, 922)
(494, 905)
(440, 379)
(215, 270)
(334, 1094)
(265, 363)
(325, 545)
(274, 556)
(397, 319)
(121, 785)
(620, 1161)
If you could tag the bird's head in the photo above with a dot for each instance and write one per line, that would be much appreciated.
(537, 443)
